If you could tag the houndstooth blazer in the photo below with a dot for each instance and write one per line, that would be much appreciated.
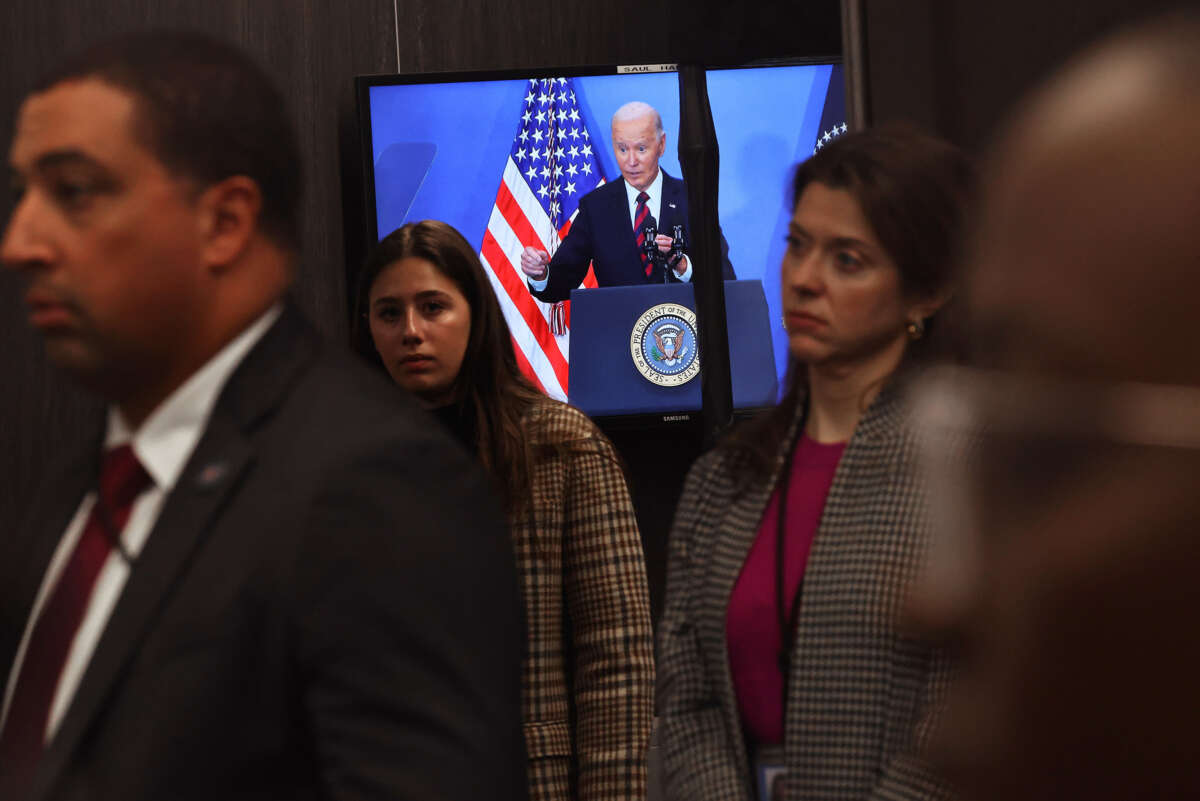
(859, 690)
(588, 676)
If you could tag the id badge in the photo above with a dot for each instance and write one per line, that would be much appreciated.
(770, 770)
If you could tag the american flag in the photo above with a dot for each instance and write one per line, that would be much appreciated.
(551, 165)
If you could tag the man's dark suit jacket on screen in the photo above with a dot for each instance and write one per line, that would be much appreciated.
(603, 235)
(326, 607)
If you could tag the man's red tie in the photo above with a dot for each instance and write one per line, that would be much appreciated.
(122, 479)
(641, 212)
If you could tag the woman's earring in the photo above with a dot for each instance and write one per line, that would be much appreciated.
(916, 329)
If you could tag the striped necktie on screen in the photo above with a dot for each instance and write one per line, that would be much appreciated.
(640, 214)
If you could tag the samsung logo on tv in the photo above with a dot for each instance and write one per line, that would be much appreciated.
(625, 70)
(676, 418)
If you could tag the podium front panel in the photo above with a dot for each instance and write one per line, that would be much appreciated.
(605, 379)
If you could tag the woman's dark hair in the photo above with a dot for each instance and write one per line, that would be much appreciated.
(914, 191)
(489, 382)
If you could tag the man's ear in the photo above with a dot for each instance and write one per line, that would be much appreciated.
(229, 220)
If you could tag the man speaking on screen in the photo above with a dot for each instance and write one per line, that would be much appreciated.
(609, 231)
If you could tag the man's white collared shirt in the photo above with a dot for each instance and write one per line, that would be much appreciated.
(163, 444)
(653, 203)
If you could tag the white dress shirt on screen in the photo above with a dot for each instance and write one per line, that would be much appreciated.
(654, 204)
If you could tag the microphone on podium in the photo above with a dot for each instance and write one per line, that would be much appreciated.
(649, 246)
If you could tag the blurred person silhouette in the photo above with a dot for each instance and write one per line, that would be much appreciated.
(1067, 581)
(429, 316)
(267, 577)
(796, 538)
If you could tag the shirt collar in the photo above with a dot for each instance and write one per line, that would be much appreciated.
(165, 441)
(652, 190)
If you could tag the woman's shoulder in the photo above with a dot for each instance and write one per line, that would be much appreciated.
(551, 422)
(713, 485)
(718, 476)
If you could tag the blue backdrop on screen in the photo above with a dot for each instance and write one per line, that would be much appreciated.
(450, 143)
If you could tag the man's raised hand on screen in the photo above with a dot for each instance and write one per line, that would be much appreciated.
(535, 263)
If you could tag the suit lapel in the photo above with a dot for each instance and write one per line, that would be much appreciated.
(671, 210)
(619, 209)
(210, 479)
(670, 213)
(838, 544)
(733, 539)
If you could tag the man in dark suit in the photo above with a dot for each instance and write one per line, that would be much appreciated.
(607, 232)
(269, 577)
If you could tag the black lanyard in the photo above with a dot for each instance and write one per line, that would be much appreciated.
(787, 624)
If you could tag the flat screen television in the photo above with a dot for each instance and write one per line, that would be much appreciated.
(503, 156)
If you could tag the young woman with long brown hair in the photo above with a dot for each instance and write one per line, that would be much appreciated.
(428, 315)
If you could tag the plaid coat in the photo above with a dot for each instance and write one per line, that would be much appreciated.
(588, 677)
(858, 689)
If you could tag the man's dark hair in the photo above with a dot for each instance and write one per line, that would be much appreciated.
(207, 111)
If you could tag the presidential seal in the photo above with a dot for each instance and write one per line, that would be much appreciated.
(663, 345)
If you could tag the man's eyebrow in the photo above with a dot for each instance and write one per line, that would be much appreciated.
(64, 158)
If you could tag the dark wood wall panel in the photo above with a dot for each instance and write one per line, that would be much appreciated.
(467, 34)
(958, 68)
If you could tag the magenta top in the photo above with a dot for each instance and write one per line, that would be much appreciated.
(752, 621)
